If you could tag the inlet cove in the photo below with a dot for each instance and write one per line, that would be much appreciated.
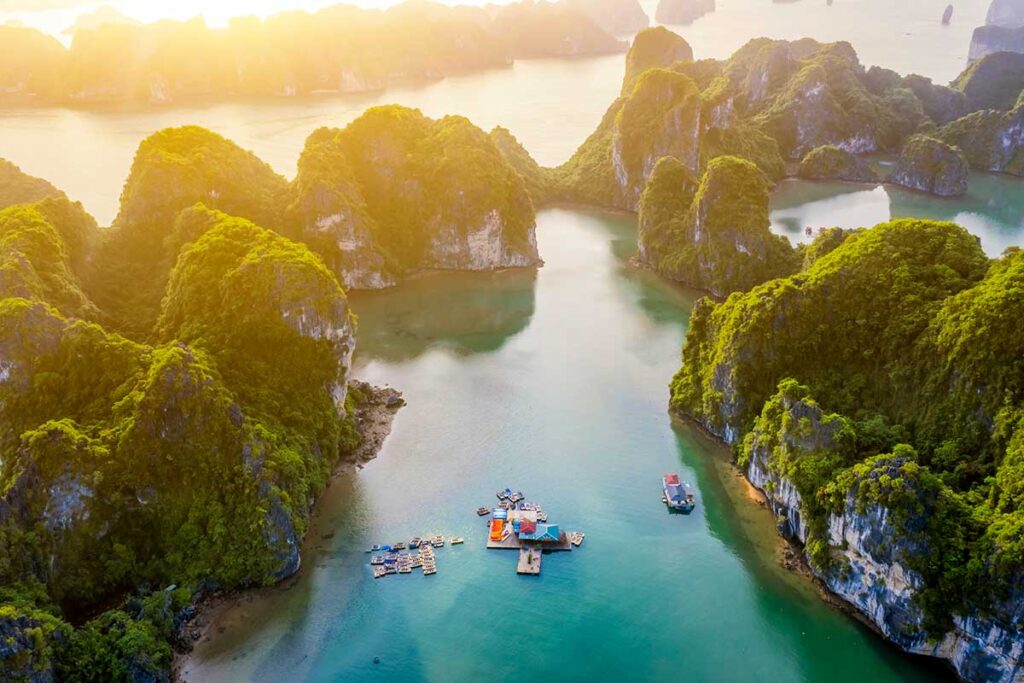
(276, 367)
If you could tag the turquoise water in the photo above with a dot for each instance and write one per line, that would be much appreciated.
(553, 381)
(993, 208)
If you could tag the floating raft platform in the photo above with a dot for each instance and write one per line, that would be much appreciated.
(512, 542)
(529, 561)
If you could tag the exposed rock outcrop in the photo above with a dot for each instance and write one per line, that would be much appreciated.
(990, 140)
(832, 163)
(930, 165)
(409, 193)
(1003, 30)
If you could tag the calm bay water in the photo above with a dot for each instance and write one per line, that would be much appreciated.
(992, 209)
(553, 381)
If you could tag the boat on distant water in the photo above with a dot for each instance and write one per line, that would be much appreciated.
(678, 495)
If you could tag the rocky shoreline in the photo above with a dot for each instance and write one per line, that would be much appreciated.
(374, 417)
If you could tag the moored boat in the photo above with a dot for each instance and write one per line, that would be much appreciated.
(678, 495)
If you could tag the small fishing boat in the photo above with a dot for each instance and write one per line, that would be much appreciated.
(455, 540)
(391, 569)
(376, 560)
(438, 542)
(374, 548)
(483, 512)
(542, 516)
(379, 572)
(398, 546)
(678, 495)
(427, 571)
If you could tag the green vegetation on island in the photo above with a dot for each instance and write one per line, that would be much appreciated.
(903, 404)
(829, 162)
(713, 236)
(174, 390)
(932, 166)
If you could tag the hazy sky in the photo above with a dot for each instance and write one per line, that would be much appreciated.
(56, 15)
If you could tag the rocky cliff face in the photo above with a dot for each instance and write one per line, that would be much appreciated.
(1003, 30)
(662, 118)
(872, 556)
(396, 192)
(932, 166)
(990, 140)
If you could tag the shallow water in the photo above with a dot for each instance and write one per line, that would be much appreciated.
(552, 381)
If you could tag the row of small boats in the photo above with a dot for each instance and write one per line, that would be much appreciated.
(417, 542)
(403, 562)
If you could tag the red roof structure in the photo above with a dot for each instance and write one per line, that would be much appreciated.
(672, 479)
(527, 526)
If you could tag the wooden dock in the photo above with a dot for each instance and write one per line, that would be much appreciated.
(529, 561)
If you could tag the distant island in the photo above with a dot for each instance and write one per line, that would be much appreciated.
(340, 49)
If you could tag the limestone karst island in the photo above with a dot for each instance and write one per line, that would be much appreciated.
(444, 341)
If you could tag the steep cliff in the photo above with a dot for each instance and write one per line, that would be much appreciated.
(191, 460)
(1003, 30)
(990, 140)
(930, 165)
(714, 236)
(412, 193)
(907, 497)
(769, 101)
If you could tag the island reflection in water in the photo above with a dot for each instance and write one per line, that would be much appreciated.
(992, 209)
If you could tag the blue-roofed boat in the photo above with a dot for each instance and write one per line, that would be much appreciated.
(678, 495)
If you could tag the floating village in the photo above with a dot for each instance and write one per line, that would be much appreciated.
(513, 524)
